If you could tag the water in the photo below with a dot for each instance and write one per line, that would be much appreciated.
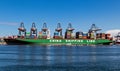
(59, 58)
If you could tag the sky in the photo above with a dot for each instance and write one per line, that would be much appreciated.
(80, 13)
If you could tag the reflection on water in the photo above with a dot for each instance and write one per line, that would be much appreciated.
(59, 58)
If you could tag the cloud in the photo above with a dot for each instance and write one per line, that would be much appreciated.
(113, 32)
(9, 23)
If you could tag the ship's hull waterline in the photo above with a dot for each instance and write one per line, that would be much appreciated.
(58, 41)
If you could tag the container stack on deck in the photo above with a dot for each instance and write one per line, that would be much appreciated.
(79, 35)
(28, 35)
(85, 36)
(107, 36)
(98, 35)
(102, 36)
(40, 34)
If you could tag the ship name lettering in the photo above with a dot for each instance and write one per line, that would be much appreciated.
(90, 40)
(55, 40)
(74, 40)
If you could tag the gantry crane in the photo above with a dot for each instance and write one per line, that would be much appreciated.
(22, 30)
(33, 30)
(93, 30)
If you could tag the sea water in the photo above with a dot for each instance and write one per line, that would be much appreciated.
(59, 58)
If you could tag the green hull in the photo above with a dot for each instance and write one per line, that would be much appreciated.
(58, 41)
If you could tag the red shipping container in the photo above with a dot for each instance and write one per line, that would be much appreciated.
(22, 37)
(68, 36)
(103, 34)
(103, 37)
(107, 35)
(84, 37)
(44, 37)
(56, 37)
(40, 32)
(35, 37)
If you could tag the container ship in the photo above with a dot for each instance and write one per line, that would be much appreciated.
(70, 38)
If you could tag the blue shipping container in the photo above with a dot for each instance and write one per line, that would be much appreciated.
(85, 34)
(56, 33)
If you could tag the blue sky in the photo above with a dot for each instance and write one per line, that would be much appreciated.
(81, 13)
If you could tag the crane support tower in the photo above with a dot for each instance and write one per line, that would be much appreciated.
(44, 31)
(33, 30)
(69, 32)
(22, 30)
